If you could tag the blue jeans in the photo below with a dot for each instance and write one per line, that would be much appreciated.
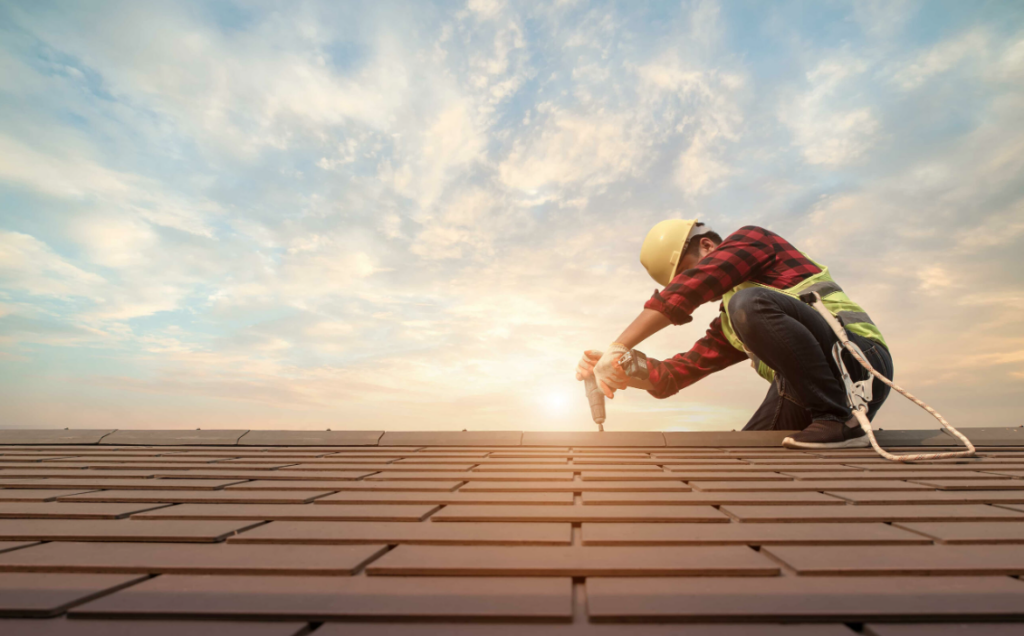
(794, 340)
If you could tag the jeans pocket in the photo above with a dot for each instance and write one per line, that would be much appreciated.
(877, 359)
(879, 390)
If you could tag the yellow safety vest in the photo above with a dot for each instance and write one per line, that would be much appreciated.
(849, 313)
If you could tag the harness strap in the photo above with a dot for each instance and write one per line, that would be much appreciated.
(859, 405)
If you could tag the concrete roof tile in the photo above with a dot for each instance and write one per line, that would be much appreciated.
(842, 535)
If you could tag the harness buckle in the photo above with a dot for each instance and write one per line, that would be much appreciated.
(858, 394)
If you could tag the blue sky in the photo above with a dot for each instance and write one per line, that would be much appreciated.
(415, 215)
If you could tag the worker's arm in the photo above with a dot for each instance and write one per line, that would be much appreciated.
(640, 384)
(648, 323)
(742, 256)
(607, 371)
(709, 354)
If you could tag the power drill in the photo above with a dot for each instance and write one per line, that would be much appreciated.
(634, 363)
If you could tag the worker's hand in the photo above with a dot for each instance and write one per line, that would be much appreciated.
(610, 376)
(586, 364)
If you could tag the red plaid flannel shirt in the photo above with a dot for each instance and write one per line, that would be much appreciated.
(749, 254)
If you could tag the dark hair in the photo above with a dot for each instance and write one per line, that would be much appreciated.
(694, 245)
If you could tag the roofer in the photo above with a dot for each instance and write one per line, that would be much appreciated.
(758, 276)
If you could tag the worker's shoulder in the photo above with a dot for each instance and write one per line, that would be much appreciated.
(753, 232)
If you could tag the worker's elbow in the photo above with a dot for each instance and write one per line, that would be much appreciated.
(661, 393)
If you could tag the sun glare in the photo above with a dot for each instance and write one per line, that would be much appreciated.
(555, 403)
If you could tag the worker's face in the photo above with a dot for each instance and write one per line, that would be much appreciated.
(706, 247)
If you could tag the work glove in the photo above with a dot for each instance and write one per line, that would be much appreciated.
(586, 363)
(610, 376)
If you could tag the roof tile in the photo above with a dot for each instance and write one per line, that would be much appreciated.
(541, 498)
(685, 476)
(968, 531)
(943, 629)
(125, 484)
(710, 498)
(476, 476)
(593, 439)
(842, 514)
(962, 560)
(310, 438)
(197, 496)
(39, 495)
(577, 514)
(57, 510)
(40, 595)
(576, 486)
(173, 438)
(733, 439)
(579, 628)
(324, 598)
(933, 497)
(416, 560)
(53, 436)
(795, 598)
(866, 485)
(354, 486)
(440, 438)
(65, 627)
(340, 532)
(970, 484)
(181, 558)
(119, 530)
(748, 534)
(288, 512)
(944, 473)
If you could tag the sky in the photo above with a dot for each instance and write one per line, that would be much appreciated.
(417, 215)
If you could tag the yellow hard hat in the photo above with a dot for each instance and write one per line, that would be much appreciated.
(665, 245)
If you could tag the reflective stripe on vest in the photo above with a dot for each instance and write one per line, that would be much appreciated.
(850, 314)
(853, 317)
(824, 288)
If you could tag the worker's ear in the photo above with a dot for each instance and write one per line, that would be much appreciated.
(706, 246)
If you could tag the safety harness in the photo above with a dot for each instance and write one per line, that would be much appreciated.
(858, 394)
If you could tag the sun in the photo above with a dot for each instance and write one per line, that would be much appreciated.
(554, 403)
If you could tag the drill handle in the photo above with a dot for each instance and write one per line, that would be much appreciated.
(596, 399)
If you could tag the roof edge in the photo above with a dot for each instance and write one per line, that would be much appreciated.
(982, 437)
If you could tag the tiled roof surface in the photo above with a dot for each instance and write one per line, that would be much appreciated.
(371, 533)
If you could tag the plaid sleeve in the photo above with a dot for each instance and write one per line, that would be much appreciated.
(709, 354)
(743, 255)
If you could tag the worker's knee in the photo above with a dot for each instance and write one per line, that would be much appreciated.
(743, 307)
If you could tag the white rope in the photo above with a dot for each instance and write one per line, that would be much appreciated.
(862, 413)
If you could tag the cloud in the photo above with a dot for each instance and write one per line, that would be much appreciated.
(58, 176)
(420, 214)
(592, 151)
(941, 59)
(699, 171)
(884, 19)
(451, 141)
(599, 149)
(828, 128)
(29, 265)
(68, 175)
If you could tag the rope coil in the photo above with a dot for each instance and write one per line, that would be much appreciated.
(861, 413)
